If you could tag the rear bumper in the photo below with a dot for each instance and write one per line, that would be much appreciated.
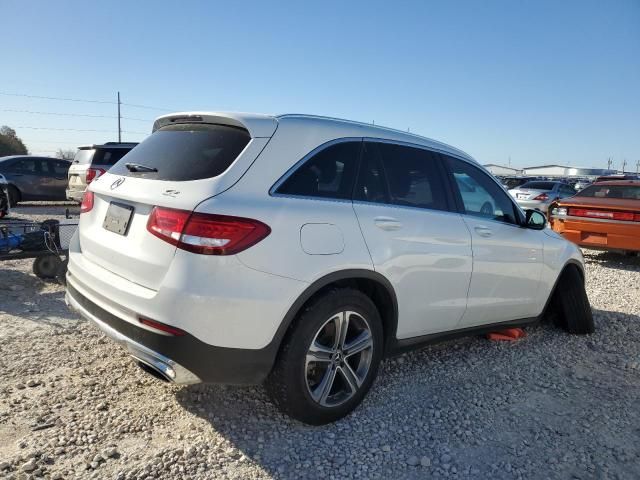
(599, 234)
(74, 194)
(181, 360)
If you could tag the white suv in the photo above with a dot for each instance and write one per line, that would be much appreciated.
(300, 251)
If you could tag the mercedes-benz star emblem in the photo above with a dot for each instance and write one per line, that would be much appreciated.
(117, 183)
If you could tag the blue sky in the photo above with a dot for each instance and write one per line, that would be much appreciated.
(537, 81)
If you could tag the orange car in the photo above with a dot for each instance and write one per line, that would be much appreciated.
(603, 216)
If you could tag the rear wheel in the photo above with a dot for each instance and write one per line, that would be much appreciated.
(47, 267)
(329, 359)
(571, 304)
(14, 195)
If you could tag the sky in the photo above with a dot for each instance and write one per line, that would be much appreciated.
(525, 82)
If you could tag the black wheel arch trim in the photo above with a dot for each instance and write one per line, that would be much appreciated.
(571, 261)
(331, 278)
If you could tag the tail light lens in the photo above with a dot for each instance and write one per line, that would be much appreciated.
(542, 197)
(87, 202)
(609, 215)
(93, 173)
(203, 233)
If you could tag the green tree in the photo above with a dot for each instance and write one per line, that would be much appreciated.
(10, 143)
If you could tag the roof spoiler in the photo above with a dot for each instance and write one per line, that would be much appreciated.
(258, 126)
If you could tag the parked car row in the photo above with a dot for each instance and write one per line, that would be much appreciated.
(31, 177)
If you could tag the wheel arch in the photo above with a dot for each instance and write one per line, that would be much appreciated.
(571, 263)
(371, 283)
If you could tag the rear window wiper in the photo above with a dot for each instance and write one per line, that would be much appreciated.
(136, 167)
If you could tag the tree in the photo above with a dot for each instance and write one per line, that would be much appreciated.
(10, 143)
(67, 154)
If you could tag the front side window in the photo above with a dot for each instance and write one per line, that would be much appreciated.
(401, 175)
(480, 196)
(330, 173)
(26, 165)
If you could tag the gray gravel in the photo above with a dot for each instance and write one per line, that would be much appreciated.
(73, 405)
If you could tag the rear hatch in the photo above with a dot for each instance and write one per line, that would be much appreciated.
(78, 169)
(181, 164)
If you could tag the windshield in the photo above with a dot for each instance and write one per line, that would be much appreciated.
(185, 152)
(539, 185)
(626, 192)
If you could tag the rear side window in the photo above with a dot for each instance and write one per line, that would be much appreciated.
(329, 174)
(108, 156)
(185, 152)
(401, 175)
(83, 156)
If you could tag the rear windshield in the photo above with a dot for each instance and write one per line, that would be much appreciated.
(104, 156)
(627, 192)
(185, 152)
(539, 185)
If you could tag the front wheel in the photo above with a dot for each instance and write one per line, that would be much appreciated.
(329, 358)
(571, 304)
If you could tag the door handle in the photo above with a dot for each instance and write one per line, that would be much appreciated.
(387, 223)
(483, 231)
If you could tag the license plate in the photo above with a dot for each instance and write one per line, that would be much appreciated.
(117, 218)
(522, 196)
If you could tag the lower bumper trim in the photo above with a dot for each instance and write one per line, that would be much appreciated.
(169, 369)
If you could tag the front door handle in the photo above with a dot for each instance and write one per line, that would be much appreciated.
(387, 223)
(483, 231)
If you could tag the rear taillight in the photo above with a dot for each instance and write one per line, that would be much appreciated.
(87, 202)
(608, 215)
(93, 173)
(204, 233)
(542, 197)
(164, 328)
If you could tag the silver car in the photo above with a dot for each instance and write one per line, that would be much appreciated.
(540, 194)
(90, 162)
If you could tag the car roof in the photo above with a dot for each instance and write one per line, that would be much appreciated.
(11, 157)
(262, 125)
(108, 145)
(625, 183)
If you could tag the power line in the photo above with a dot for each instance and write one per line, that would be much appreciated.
(67, 99)
(74, 115)
(79, 130)
(55, 98)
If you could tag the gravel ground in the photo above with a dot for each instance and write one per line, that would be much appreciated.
(73, 405)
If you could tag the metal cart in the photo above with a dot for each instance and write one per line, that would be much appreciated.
(46, 242)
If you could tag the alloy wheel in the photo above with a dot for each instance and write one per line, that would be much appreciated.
(339, 358)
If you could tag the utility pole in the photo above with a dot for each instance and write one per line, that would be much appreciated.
(609, 163)
(638, 166)
(624, 164)
(119, 129)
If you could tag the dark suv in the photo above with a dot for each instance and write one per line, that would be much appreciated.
(90, 162)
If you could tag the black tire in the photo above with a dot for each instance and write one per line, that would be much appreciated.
(47, 267)
(571, 304)
(287, 384)
(14, 196)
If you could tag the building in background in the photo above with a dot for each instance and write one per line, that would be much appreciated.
(502, 170)
(566, 171)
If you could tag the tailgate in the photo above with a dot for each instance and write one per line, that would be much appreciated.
(134, 253)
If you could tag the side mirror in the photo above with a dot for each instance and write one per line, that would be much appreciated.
(536, 220)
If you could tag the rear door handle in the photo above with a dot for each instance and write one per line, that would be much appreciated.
(387, 223)
(483, 231)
